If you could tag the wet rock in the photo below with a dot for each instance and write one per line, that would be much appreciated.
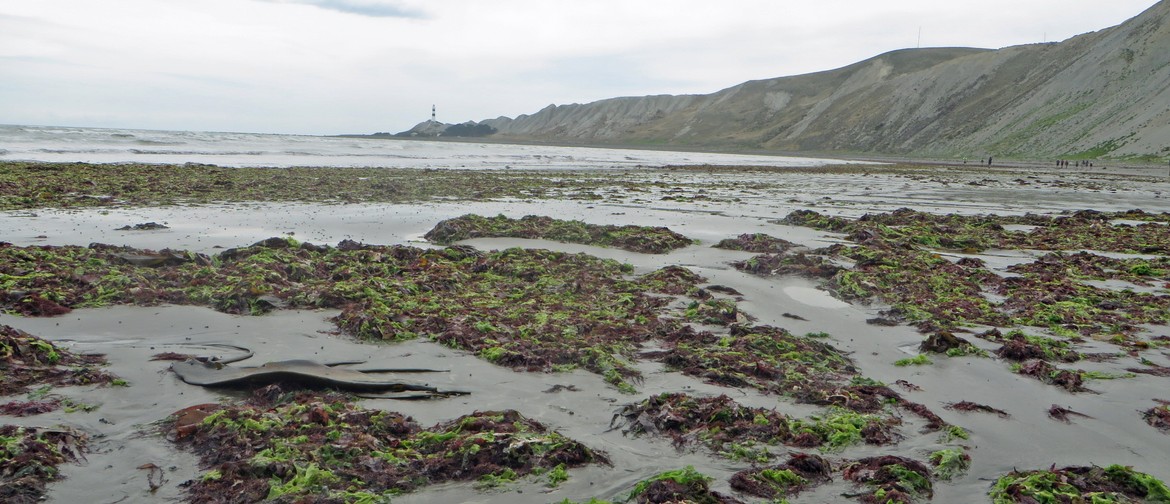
(146, 226)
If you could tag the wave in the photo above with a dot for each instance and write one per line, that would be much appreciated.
(157, 142)
(148, 152)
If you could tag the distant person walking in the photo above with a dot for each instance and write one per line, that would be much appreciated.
(988, 160)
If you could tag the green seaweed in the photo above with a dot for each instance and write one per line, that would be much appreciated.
(1115, 483)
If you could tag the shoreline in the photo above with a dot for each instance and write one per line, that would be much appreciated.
(707, 204)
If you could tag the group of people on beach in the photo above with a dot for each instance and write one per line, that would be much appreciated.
(1063, 163)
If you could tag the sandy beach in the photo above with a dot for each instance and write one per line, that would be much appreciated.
(704, 204)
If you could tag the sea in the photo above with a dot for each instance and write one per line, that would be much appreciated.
(109, 145)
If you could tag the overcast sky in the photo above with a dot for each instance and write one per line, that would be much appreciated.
(360, 66)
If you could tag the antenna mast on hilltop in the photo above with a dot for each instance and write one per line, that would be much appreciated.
(432, 113)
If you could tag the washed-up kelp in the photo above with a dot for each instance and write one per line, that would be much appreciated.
(651, 240)
(525, 309)
(682, 485)
(27, 360)
(772, 360)
(812, 265)
(1019, 346)
(324, 448)
(1088, 266)
(1063, 414)
(800, 472)
(745, 433)
(678, 486)
(763, 357)
(1115, 483)
(301, 372)
(891, 479)
(759, 243)
(968, 406)
(31, 185)
(1085, 229)
(29, 457)
(1159, 416)
(945, 342)
(894, 260)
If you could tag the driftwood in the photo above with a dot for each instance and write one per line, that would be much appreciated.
(309, 374)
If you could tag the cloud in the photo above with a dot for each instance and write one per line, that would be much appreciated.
(370, 8)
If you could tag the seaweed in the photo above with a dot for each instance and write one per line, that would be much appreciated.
(30, 185)
(651, 240)
(1115, 483)
(758, 243)
(27, 360)
(682, 485)
(29, 457)
(800, 472)
(1019, 346)
(1159, 416)
(949, 463)
(738, 432)
(526, 309)
(891, 479)
(1069, 380)
(968, 406)
(894, 260)
(325, 448)
(763, 357)
(1057, 412)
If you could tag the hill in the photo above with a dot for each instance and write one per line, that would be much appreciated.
(1100, 94)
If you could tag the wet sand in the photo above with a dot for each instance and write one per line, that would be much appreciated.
(703, 206)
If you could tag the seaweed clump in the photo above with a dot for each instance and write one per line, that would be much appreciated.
(29, 457)
(535, 310)
(649, 240)
(682, 485)
(27, 360)
(323, 448)
(895, 260)
(739, 432)
(1115, 483)
(800, 472)
(758, 243)
(891, 479)
(766, 358)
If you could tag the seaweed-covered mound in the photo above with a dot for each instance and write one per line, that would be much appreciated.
(682, 485)
(740, 432)
(324, 448)
(29, 457)
(651, 240)
(891, 479)
(759, 243)
(526, 309)
(801, 471)
(29, 185)
(1079, 484)
(27, 360)
(894, 258)
(763, 357)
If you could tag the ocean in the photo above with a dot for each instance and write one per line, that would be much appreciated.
(107, 145)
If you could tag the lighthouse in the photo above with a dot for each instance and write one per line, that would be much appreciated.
(433, 113)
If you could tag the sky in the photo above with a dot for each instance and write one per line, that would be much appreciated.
(365, 66)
